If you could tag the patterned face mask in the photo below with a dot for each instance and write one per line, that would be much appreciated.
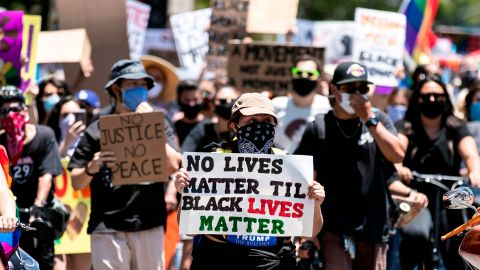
(256, 137)
(14, 125)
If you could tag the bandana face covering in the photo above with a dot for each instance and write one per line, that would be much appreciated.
(132, 97)
(256, 137)
(14, 125)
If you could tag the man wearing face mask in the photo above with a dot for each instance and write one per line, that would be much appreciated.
(295, 111)
(126, 222)
(189, 100)
(353, 148)
(34, 162)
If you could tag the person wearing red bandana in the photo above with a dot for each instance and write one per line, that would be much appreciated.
(34, 162)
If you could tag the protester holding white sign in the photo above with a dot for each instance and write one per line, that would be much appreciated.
(245, 207)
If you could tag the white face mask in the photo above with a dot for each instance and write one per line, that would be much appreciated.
(345, 103)
(156, 90)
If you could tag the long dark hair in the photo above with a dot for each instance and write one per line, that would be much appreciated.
(53, 118)
(413, 113)
(63, 91)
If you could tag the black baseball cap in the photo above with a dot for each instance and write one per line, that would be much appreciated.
(128, 69)
(348, 72)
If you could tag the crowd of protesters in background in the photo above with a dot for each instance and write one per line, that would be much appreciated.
(363, 153)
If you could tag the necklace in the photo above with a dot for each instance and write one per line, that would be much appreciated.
(343, 133)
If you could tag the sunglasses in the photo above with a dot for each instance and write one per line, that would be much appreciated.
(7, 110)
(436, 97)
(352, 88)
(300, 73)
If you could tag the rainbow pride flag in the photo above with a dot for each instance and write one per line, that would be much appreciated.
(420, 17)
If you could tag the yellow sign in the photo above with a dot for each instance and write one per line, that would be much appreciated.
(75, 239)
(31, 28)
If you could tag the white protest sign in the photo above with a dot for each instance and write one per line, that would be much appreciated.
(137, 22)
(337, 39)
(245, 194)
(379, 44)
(191, 36)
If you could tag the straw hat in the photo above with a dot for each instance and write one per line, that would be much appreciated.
(169, 92)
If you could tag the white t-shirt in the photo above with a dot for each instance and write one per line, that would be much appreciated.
(293, 119)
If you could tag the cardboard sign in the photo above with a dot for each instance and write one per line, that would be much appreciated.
(245, 194)
(191, 37)
(137, 22)
(11, 30)
(271, 16)
(138, 141)
(379, 44)
(63, 46)
(259, 66)
(228, 21)
(106, 25)
(75, 239)
(31, 29)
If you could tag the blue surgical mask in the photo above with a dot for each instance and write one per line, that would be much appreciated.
(132, 97)
(50, 102)
(396, 112)
(475, 111)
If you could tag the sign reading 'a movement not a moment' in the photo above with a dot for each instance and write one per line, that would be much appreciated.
(138, 142)
(244, 194)
(261, 66)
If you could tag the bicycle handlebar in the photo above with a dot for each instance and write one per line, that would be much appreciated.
(436, 179)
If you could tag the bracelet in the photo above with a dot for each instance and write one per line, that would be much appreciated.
(87, 172)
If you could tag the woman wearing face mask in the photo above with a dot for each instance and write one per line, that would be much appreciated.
(66, 127)
(397, 104)
(437, 145)
(472, 112)
(50, 91)
(252, 115)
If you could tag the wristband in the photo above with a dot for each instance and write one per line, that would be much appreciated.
(87, 172)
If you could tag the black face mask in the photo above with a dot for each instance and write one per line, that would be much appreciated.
(256, 137)
(190, 112)
(224, 110)
(303, 86)
(432, 109)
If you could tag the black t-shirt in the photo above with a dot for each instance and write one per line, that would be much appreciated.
(203, 135)
(122, 208)
(183, 129)
(353, 172)
(437, 156)
(39, 157)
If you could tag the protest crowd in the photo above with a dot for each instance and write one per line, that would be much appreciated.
(253, 149)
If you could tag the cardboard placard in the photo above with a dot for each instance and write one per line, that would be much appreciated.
(260, 66)
(106, 25)
(63, 46)
(31, 29)
(137, 22)
(247, 194)
(75, 239)
(380, 43)
(191, 37)
(228, 21)
(11, 30)
(138, 141)
(271, 16)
